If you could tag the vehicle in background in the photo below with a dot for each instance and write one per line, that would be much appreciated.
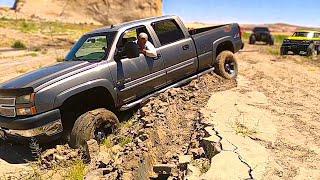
(105, 73)
(261, 34)
(302, 43)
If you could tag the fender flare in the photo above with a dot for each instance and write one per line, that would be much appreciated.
(217, 42)
(64, 95)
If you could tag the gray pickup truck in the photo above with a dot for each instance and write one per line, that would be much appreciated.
(104, 73)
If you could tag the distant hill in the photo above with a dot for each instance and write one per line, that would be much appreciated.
(85, 11)
(281, 28)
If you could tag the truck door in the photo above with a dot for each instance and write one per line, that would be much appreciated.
(177, 50)
(136, 77)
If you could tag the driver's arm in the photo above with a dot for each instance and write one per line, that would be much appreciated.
(151, 50)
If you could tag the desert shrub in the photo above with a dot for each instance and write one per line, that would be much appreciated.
(28, 26)
(77, 171)
(60, 59)
(18, 45)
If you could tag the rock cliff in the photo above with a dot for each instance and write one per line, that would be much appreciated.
(89, 11)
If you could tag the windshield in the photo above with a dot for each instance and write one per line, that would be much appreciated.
(93, 47)
(303, 34)
(261, 29)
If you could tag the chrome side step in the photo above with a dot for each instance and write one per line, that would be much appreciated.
(135, 103)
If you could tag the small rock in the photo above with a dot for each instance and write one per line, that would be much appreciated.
(162, 110)
(145, 149)
(93, 148)
(94, 175)
(144, 137)
(150, 125)
(209, 131)
(101, 164)
(127, 176)
(72, 155)
(163, 168)
(211, 139)
(197, 152)
(185, 159)
(59, 158)
(49, 152)
(112, 176)
(107, 170)
(60, 149)
(145, 111)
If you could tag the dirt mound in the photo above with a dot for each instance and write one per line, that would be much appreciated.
(92, 11)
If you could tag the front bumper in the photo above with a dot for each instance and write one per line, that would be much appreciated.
(44, 127)
(294, 47)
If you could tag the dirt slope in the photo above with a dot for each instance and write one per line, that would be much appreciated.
(90, 11)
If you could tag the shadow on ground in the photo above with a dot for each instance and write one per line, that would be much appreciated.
(21, 154)
(15, 154)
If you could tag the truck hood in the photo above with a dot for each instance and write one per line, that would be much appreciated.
(303, 38)
(41, 76)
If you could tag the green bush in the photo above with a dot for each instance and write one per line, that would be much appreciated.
(77, 171)
(28, 26)
(60, 59)
(19, 45)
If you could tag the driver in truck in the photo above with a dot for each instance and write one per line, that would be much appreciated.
(146, 47)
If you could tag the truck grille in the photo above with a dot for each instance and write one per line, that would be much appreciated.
(296, 41)
(7, 107)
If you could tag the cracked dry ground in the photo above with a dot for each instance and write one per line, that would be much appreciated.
(271, 118)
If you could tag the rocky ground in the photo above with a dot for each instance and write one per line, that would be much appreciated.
(264, 126)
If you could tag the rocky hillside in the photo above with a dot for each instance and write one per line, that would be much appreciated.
(88, 11)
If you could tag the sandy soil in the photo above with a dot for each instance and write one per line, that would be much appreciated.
(272, 117)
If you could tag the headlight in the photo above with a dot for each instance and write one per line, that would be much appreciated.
(25, 105)
(26, 99)
(286, 41)
(26, 111)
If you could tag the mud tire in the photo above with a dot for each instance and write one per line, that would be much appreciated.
(224, 58)
(85, 126)
(252, 39)
(311, 51)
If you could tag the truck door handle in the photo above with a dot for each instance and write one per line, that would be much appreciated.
(158, 57)
(185, 47)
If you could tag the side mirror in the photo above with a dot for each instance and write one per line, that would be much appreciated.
(131, 50)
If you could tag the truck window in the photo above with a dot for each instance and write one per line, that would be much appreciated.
(168, 31)
(131, 35)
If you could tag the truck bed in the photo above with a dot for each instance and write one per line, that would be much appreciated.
(207, 38)
(201, 30)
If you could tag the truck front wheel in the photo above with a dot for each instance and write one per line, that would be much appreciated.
(226, 65)
(252, 39)
(283, 51)
(311, 51)
(96, 124)
(271, 41)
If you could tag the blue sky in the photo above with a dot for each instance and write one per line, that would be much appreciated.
(8, 3)
(299, 12)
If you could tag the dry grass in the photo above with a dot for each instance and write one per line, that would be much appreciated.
(108, 143)
(125, 140)
(60, 59)
(77, 171)
(243, 130)
(22, 70)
